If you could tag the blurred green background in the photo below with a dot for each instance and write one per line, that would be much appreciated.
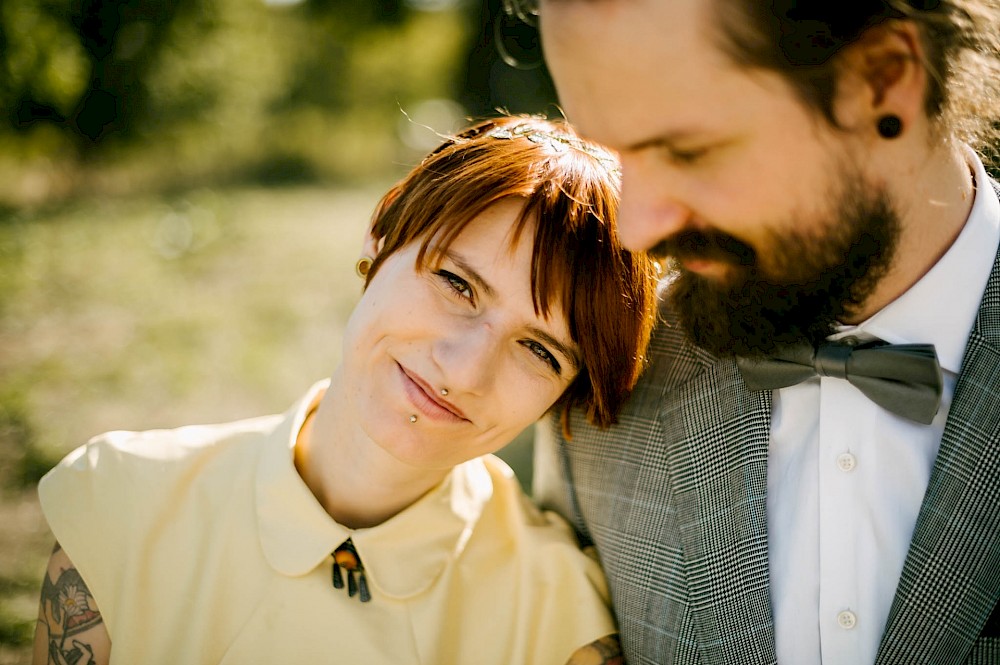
(184, 185)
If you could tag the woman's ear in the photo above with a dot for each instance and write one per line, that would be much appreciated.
(371, 246)
(370, 249)
(880, 75)
(374, 241)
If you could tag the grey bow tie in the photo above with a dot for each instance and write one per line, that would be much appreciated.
(902, 378)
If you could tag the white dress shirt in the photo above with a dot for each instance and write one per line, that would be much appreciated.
(846, 478)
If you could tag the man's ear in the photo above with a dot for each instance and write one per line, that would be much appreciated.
(882, 74)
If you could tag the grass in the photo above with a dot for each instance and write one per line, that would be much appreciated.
(155, 312)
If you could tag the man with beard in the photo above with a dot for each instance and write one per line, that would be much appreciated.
(809, 472)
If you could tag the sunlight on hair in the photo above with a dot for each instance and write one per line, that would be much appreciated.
(423, 126)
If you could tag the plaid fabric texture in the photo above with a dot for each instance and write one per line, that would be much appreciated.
(674, 498)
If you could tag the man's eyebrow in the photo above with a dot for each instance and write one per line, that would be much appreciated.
(666, 140)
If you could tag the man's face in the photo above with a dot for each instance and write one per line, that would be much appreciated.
(776, 229)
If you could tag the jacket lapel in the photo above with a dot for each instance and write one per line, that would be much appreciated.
(950, 581)
(949, 584)
(720, 471)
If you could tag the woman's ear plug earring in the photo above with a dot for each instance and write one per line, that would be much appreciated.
(890, 126)
(362, 267)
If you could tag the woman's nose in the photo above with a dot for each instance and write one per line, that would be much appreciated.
(469, 358)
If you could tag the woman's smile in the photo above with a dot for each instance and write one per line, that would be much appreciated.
(422, 396)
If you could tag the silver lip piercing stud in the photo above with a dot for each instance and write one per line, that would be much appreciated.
(413, 418)
(444, 392)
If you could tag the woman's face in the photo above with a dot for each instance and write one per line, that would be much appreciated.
(467, 326)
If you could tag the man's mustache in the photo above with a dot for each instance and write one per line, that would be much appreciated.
(705, 245)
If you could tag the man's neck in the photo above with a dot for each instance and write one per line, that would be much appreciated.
(934, 199)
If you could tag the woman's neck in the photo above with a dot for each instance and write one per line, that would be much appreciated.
(357, 482)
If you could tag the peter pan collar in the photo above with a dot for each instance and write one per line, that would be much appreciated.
(402, 556)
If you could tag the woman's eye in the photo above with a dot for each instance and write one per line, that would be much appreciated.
(543, 354)
(456, 284)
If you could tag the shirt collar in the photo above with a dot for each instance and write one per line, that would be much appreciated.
(402, 556)
(941, 308)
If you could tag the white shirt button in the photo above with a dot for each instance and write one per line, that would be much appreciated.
(847, 620)
(846, 462)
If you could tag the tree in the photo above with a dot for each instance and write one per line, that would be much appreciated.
(81, 65)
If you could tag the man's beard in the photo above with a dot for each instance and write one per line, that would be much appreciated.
(819, 278)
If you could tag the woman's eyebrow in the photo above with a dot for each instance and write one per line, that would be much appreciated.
(470, 272)
(565, 350)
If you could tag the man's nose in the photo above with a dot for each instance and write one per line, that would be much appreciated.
(650, 211)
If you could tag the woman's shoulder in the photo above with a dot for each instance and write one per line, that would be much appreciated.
(161, 450)
(119, 481)
(125, 499)
(178, 442)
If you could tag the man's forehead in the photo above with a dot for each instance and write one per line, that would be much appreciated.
(675, 25)
(619, 65)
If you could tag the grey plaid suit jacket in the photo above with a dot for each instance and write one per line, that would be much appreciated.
(674, 499)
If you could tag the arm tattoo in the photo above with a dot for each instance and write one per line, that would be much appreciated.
(67, 610)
